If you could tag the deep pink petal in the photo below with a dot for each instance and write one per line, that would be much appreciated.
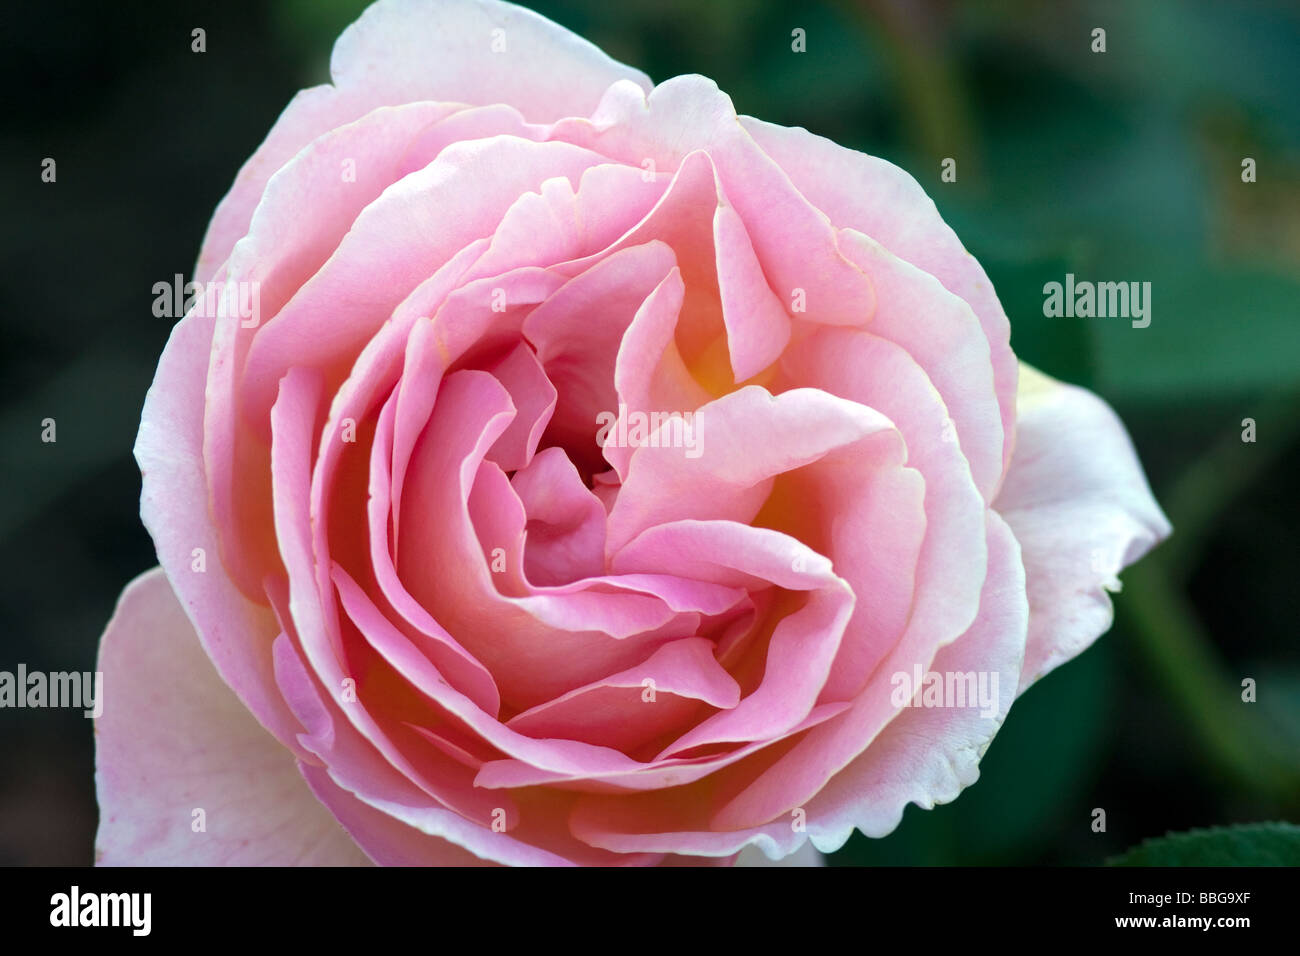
(533, 396)
(566, 522)
(677, 684)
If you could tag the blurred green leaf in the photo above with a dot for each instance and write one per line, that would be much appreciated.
(1254, 844)
(1210, 333)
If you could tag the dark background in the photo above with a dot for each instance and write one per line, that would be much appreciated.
(1123, 166)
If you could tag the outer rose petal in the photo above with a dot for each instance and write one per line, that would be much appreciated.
(173, 738)
(1079, 504)
(404, 51)
(927, 756)
(389, 841)
(474, 51)
(236, 633)
(877, 198)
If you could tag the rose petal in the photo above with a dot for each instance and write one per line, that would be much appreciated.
(173, 739)
(566, 522)
(533, 396)
(949, 571)
(236, 633)
(387, 841)
(725, 470)
(402, 51)
(649, 373)
(404, 236)
(877, 198)
(685, 680)
(1082, 510)
(927, 756)
(689, 113)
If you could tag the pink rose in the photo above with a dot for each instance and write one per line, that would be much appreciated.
(566, 470)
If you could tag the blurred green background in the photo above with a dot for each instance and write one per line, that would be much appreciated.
(1123, 165)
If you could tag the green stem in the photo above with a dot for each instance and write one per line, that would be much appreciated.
(1237, 741)
(1200, 496)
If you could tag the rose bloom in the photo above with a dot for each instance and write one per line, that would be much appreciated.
(601, 478)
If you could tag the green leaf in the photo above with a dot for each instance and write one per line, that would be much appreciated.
(1251, 844)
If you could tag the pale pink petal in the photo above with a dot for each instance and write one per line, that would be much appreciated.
(680, 219)
(799, 774)
(728, 553)
(803, 644)
(173, 740)
(1082, 510)
(758, 326)
(499, 521)
(565, 757)
(519, 835)
(397, 242)
(312, 201)
(950, 567)
(387, 841)
(649, 373)
(460, 123)
(308, 207)
(312, 613)
(240, 391)
(236, 633)
(877, 198)
(379, 368)
(942, 334)
(391, 821)
(459, 666)
(689, 113)
(536, 646)
(631, 825)
(925, 755)
(465, 323)
(403, 51)
(798, 662)
(524, 849)
(645, 777)
(579, 329)
(558, 224)
(368, 750)
(739, 444)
